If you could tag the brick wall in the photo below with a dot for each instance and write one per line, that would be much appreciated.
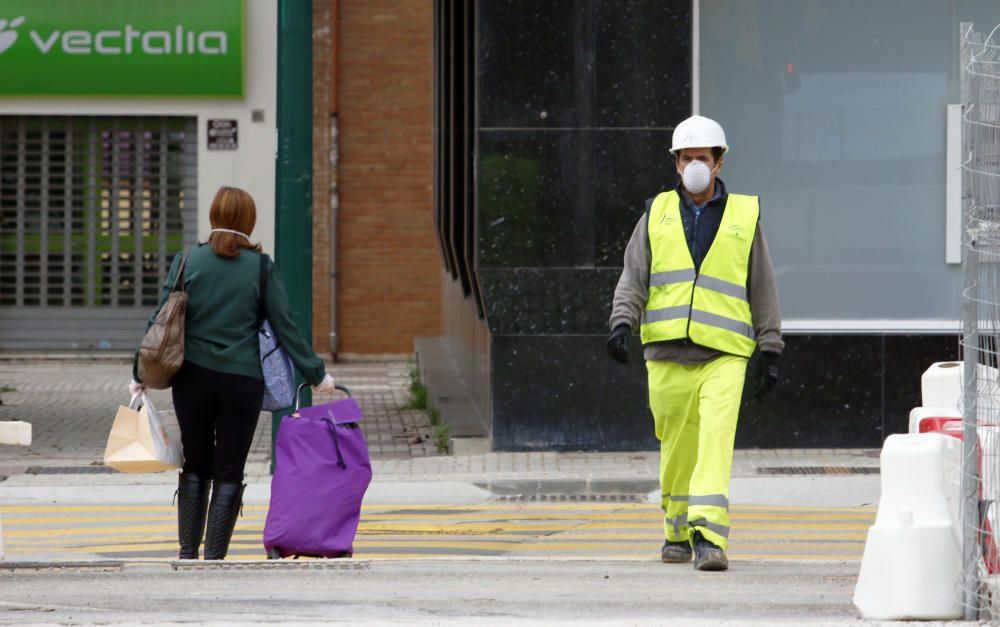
(388, 264)
(322, 175)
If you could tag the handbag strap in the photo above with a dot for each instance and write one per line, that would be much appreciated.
(262, 281)
(179, 279)
(336, 441)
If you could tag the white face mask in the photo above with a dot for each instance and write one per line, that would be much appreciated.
(696, 177)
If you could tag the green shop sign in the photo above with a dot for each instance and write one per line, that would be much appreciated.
(121, 48)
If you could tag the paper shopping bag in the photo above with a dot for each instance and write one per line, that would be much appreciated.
(143, 440)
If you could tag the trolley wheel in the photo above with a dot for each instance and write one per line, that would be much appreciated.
(274, 553)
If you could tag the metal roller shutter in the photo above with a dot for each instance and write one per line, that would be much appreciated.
(92, 210)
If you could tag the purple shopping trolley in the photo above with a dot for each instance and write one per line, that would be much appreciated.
(321, 473)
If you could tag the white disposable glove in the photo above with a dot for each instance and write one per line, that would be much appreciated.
(326, 386)
(134, 387)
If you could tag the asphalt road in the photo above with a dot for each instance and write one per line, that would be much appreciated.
(496, 591)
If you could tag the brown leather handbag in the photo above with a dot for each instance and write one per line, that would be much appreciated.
(162, 350)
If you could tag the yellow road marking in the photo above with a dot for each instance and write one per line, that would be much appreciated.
(556, 530)
(735, 535)
(479, 545)
(471, 508)
(596, 540)
(412, 528)
(67, 520)
(762, 526)
(40, 520)
(640, 516)
(640, 557)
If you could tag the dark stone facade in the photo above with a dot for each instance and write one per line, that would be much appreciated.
(561, 131)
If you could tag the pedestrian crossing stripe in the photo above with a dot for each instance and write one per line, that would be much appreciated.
(651, 536)
(631, 531)
(64, 520)
(10, 509)
(13, 530)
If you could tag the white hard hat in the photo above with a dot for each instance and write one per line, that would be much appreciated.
(698, 132)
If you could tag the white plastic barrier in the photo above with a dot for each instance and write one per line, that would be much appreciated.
(941, 385)
(919, 413)
(912, 560)
(15, 432)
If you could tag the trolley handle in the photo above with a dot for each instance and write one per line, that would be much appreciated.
(298, 392)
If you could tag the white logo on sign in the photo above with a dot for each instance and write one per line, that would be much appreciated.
(8, 37)
(127, 40)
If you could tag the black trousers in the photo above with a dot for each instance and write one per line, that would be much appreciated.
(217, 413)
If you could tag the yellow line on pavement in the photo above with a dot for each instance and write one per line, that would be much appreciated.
(23, 522)
(365, 508)
(735, 536)
(651, 535)
(554, 506)
(430, 546)
(248, 526)
(87, 524)
(625, 516)
(82, 531)
(66, 520)
(118, 518)
(736, 516)
(643, 556)
(797, 508)
(28, 509)
(818, 526)
(453, 527)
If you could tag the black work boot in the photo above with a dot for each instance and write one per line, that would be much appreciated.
(192, 504)
(227, 497)
(708, 556)
(675, 552)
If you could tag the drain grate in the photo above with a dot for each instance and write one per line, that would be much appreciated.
(818, 470)
(283, 564)
(68, 566)
(69, 470)
(572, 498)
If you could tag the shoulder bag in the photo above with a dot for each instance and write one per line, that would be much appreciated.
(161, 353)
(279, 375)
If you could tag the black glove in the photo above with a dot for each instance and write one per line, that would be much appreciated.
(618, 343)
(765, 375)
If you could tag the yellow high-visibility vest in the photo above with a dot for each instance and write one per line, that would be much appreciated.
(710, 307)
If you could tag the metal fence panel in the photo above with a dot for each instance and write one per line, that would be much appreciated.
(980, 487)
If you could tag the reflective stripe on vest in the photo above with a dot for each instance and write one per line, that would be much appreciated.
(710, 308)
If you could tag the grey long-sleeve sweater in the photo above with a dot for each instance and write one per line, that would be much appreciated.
(633, 291)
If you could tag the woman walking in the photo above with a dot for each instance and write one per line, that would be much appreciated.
(219, 390)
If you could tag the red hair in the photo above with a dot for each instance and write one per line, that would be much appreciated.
(233, 209)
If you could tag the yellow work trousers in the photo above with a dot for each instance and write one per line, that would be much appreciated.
(695, 409)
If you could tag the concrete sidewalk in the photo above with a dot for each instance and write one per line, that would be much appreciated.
(71, 401)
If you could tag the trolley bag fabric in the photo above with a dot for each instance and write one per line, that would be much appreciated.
(275, 364)
(322, 471)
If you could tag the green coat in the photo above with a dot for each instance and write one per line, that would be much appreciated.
(223, 315)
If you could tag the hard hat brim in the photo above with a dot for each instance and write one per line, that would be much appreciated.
(724, 147)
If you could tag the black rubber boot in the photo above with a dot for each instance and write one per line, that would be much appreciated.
(227, 497)
(675, 552)
(708, 556)
(192, 504)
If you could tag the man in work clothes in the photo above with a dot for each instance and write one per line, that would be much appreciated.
(699, 286)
